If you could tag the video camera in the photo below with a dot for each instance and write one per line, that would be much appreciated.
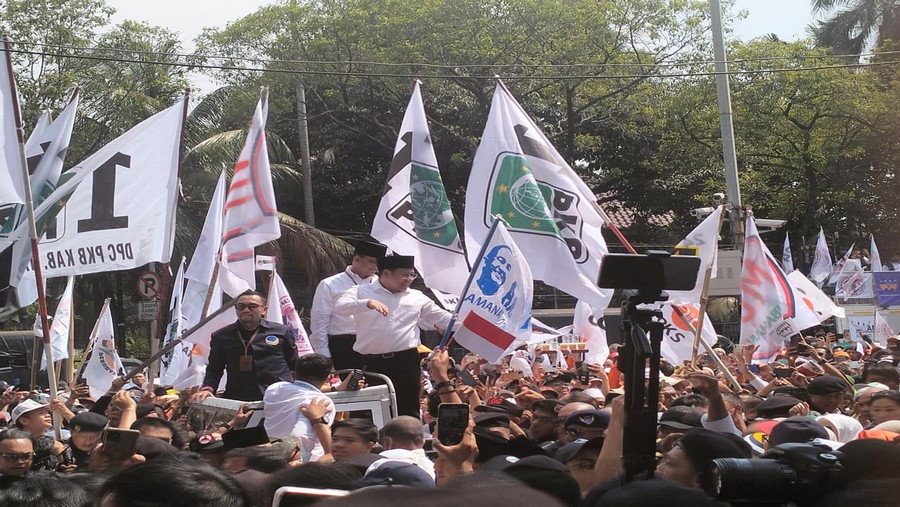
(798, 474)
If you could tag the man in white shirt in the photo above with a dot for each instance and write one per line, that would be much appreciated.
(284, 402)
(404, 441)
(334, 335)
(388, 315)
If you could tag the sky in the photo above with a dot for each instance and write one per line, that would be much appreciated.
(786, 18)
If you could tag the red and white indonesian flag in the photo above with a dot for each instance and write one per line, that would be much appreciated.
(59, 328)
(104, 364)
(251, 218)
(588, 324)
(496, 309)
(680, 322)
(702, 242)
(883, 331)
(414, 216)
(12, 182)
(821, 267)
(282, 311)
(552, 214)
(767, 301)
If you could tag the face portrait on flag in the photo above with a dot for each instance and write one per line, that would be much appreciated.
(493, 272)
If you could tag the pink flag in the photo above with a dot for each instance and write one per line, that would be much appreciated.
(251, 218)
(766, 297)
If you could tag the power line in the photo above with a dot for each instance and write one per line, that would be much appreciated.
(450, 66)
(537, 77)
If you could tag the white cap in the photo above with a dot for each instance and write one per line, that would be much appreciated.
(23, 408)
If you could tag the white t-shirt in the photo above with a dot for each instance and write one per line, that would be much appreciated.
(283, 417)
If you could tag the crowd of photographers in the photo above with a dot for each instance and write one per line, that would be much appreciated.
(818, 426)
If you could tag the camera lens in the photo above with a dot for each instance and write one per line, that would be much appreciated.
(762, 480)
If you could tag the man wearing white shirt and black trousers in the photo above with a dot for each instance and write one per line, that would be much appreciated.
(388, 315)
(333, 335)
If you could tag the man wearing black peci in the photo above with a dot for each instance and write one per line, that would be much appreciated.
(256, 353)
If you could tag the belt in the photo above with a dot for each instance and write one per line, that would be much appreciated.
(342, 336)
(388, 355)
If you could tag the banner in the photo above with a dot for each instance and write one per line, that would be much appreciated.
(414, 216)
(104, 364)
(551, 213)
(12, 184)
(887, 287)
(860, 325)
(767, 300)
(702, 242)
(854, 285)
(282, 311)
(117, 207)
(588, 324)
(813, 305)
(680, 321)
(496, 309)
(251, 218)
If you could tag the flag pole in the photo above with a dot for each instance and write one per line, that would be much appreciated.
(704, 299)
(70, 345)
(487, 241)
(32, 229)
(718, 360)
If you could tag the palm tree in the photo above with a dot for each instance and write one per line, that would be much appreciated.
(855, 24)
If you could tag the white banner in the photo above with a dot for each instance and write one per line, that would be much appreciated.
(680, 322)
(104, 364)
(856, 285)
(12, 185)
(861, 325)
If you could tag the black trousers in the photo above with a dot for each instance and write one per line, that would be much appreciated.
(342, 354)
(404, 371)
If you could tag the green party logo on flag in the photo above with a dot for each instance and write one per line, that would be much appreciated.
(532, 206)
(431, 212)
(516, 196)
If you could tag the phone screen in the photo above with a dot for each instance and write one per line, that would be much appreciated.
(467, 378)
(453, 418)
(783, 372)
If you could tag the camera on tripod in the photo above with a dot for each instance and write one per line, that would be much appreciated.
(789, 473)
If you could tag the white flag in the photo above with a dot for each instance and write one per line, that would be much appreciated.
(174, 362)
(59, 328)
(46, 150)
(414, 216)
(12, 183)
(200, 271)
(196, 345)
(251, 217)
(844, 266)
(11, 215)
(767, 301)
(551, 213)
(496, 309)
(282, 311)
(104, 364)
(883, 331)
(702, 242)
(589, 324)
(875, 257)
(787, 260)
(118, 206)
(813, 305)
(680, 322)
(821, 267)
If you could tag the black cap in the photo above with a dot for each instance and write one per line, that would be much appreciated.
(370, 249)
(681, 417)
(492, 420)
(798, 430)
(776, 406)
(397, 262)
(206, 441)
(88, 421)
(702, 446)
(826, 384)
(569, 451)
(501, 406)
(588, 419)
(551, 406)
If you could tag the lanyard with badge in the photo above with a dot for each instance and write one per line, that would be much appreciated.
(246, 361)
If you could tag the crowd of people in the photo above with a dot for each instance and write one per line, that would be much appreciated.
(536, 428)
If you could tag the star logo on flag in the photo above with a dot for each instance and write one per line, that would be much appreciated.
(431, 211)
(519, 198)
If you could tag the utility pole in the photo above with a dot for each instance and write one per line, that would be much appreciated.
(729, 155)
